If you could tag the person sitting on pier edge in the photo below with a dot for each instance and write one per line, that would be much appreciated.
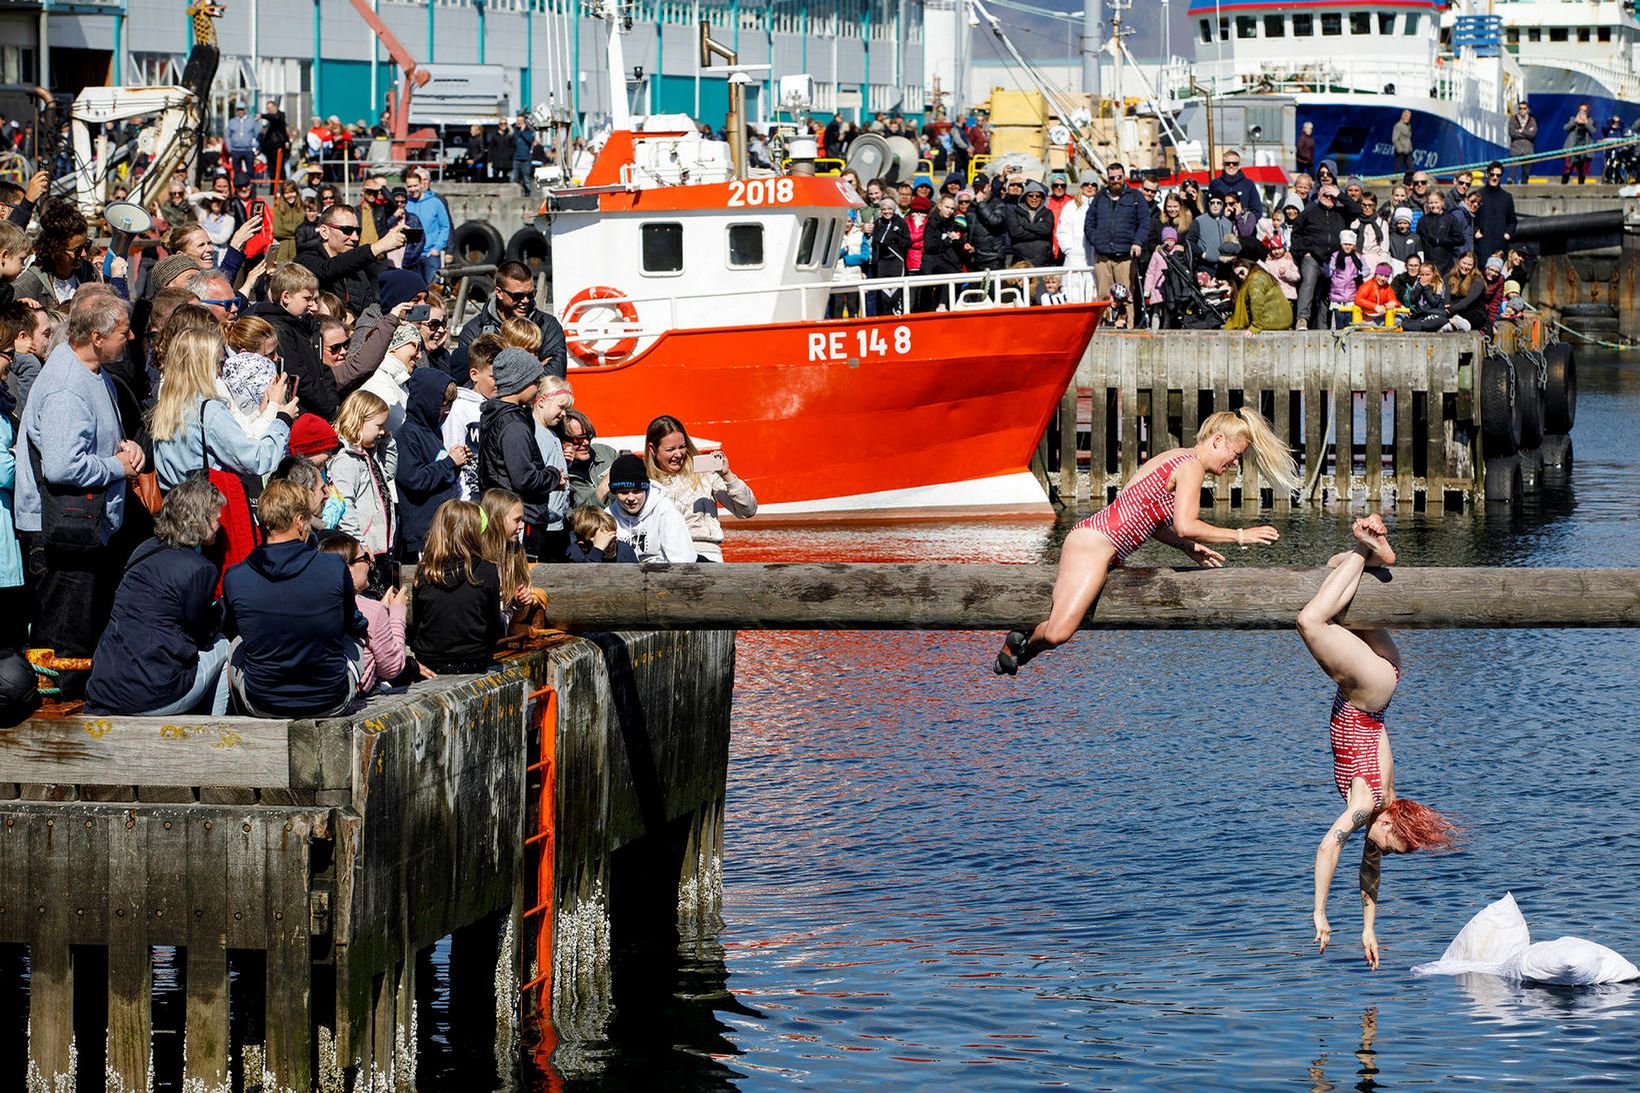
(1161, 502)
(1367, 667)
(72, 471)
(593, 537)
(508, 456)
(1401, 284)
(293, 615)
(1259, 303)
(163, 651)
(697, 484)
(1427, 304)
(514, 298)
(1315, 239)
(1375, 297)
(644, 517)
(455, 611)
(1492, 291)
(383, 653)
(1466, 293)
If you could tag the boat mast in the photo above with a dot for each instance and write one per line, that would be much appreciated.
(620, 111)
(1093, 37)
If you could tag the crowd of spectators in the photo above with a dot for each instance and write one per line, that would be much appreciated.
(220, 456)
(1328, 253)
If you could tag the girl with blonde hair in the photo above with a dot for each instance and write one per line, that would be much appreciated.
(1161, 502)
(360, 474)
(195, 428)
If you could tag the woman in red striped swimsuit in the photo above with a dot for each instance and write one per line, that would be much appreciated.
(1162, 503)
(1366, 667)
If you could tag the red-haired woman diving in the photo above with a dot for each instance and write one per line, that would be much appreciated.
(1366, 667)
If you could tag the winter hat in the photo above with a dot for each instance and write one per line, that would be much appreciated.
(1353, 180)
(1383, 269)
(1229, 247)
(965, 195)
(246, 376)
(1511, 288)
(397, 286)
(628, 473)
(1495, 262)
(1170, 235)
(1403, 213)
(405, 334)
(311, 434)
(1346, 236)
(168, 268)
(980, 179)
(921, 204)
(515, 369)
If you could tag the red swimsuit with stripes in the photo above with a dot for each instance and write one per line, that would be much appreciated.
(1143, 506)
(1355, 735)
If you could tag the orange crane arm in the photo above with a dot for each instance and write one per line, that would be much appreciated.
(413, 76)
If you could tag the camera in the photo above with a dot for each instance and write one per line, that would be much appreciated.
(414, 235)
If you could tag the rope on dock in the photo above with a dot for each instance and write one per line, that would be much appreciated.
(1586, 151)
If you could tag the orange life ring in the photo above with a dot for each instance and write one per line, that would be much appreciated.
(623, 348)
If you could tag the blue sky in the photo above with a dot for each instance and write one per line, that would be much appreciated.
(1042, 36)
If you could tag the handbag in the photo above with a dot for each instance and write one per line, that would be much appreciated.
(70, 518)
(146, 489)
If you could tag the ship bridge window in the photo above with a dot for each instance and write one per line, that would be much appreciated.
(1360, 22)
(1534, 34)
(1412, 24)
(1386, 22)
(1557, 34)
(1246, 26)
(806, 241)
(1275, 26)
(1583, 34)
(1605, 34)
(1224, 28)
(1207, 30)
(1514, 36)
(1303, 26)
(745, 246)
(662, 247)
(1332, 24)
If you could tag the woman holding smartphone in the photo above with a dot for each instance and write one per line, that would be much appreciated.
(696, 483)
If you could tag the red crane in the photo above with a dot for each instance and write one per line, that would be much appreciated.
(399, 110)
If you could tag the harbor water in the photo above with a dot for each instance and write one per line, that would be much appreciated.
(1097, 875)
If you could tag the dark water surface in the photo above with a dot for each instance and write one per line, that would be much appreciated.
(1097, 876)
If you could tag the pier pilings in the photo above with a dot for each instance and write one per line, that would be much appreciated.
(290, 877)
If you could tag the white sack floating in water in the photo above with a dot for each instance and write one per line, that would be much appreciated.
(1497, 942)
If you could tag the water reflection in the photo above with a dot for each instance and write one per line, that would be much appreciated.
(1510, 1002)
(1365, 1056)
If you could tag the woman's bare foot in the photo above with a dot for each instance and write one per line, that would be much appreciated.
(1371, 532)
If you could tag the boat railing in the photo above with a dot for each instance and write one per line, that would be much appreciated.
(1625, 86)
(619, 318)
(1367, 75)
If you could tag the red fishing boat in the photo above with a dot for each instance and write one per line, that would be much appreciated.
(689, 290)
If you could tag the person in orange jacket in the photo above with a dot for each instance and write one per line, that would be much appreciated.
(1375, 296)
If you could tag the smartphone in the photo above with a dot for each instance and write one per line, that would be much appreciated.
(418, 314)
(414, 235)
(290, 386)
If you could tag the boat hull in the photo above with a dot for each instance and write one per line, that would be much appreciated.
(1554, 95)
(859, 419)
(1357, 134)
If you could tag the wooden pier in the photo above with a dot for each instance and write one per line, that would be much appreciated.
(1425, 434)
(296, 870)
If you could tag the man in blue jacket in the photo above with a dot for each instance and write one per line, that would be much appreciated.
(1232, 181)
(292, 611)
(434, 215)
(1116, 225)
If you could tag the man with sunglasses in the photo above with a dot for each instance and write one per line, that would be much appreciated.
(1495, 221)
(212, 288)
(1232, 181)
(375, 208)
(514, 298)
(344, 265)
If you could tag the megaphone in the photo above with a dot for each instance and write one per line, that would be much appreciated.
(126, 220)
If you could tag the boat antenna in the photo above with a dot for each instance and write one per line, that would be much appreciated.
(620, 110)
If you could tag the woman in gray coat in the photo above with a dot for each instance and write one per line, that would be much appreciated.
(1580, 133)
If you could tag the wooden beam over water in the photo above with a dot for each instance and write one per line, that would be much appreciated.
(965, 596)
